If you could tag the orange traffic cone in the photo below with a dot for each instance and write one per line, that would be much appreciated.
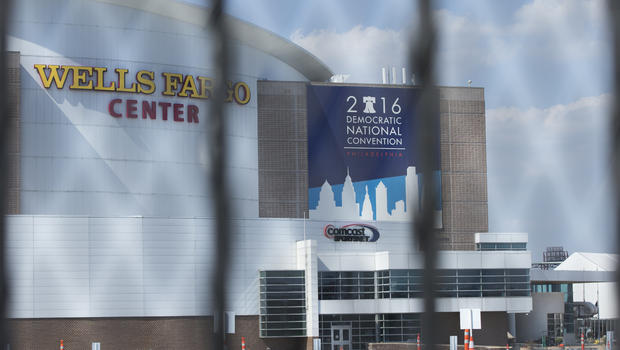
(418, 341)
(242, 343)
(62, 345)
(471, 341)
(582, 342)
(466, 342)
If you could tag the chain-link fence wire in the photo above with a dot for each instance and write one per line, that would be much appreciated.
(422, 59)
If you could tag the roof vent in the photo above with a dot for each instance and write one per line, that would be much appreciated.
(339, 78)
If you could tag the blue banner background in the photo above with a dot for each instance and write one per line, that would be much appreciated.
(327, 112)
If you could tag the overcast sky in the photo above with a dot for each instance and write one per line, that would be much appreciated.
(545, 67)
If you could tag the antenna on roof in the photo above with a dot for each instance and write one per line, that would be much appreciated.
(384, 75)
(469, 83)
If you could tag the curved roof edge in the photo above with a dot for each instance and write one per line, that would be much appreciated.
(293, 55)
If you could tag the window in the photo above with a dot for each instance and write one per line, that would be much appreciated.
(282, 304)
(500, 246)
(451, 283)
(346, 285)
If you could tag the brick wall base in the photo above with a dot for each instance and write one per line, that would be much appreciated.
(248, 327)
(188, 333)
(140, 333)
(112, 333)
(494, 328)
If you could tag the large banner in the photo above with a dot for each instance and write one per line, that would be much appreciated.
(361, 160)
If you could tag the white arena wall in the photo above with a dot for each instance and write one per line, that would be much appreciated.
(67, 266)
(76, 159)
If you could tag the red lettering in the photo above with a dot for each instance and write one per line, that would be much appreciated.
(131, 109)
(177, 110)
(149, 108)
(164, 109)
(192, 114)
(111, 108)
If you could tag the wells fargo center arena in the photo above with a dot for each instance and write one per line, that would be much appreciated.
(111, 232)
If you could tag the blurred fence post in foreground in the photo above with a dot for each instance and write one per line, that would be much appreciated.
(422, 57)
(219, 184)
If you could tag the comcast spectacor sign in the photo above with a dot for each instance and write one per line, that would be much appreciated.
(352, 233)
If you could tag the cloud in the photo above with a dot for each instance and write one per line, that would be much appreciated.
(360, 51)
(551, 30)
(564, 29)
(548, 173)
(584, 114)
(547, 52)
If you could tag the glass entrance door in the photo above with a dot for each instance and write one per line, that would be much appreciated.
(341, 337)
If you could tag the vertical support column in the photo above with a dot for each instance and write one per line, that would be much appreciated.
(307, 261)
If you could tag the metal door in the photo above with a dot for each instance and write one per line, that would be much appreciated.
(341, 337)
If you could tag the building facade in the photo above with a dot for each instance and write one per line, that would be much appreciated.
(111, 232)
(583, 287)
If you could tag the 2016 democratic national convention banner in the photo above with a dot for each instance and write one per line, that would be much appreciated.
(361, 163)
